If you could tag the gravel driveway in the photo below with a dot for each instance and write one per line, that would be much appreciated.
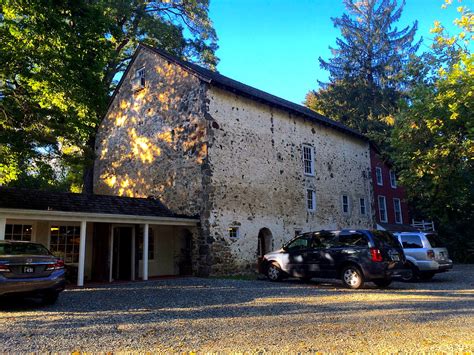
(193, 314)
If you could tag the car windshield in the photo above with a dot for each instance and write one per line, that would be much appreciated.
(384, 238)
(434, 240)
(23, 249)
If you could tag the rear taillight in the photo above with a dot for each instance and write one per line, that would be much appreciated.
(59, 264)
(4, 268)
(431, 254)
(375, 254)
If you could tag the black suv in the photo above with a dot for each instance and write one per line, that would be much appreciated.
(355, 256)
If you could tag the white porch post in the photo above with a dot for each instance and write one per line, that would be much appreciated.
(82, 254)
(145, 251)
(133, 254)
(3, 223)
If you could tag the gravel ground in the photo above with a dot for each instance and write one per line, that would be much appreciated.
(204, 315)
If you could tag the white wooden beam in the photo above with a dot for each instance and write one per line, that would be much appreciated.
(145, 251)
(93, 217)
(3, 223)
(82, 254)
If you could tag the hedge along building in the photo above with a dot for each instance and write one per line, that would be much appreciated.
(255, 168)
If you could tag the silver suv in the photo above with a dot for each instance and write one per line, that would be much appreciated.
(424, 254)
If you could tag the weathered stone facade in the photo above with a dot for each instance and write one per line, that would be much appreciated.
(259, 181)
(234, 161)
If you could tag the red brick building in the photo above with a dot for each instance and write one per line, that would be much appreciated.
(391, 209)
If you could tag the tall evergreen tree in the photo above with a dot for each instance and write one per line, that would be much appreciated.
(60, 62)
(366, 67)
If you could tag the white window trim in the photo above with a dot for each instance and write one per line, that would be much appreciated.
(379, 169)
(62, 224)
(348, 204)
(393, 182)
(399, 210)
(385, 208)
(311, 148)
(360, 206)
(33, 225)
(313, 200)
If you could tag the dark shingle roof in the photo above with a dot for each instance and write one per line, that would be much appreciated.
(41, 200)
(256, 94)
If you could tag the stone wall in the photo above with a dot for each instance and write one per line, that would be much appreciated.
(152, 141)
(258, 182)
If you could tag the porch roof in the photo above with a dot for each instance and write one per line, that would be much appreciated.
(41, 204)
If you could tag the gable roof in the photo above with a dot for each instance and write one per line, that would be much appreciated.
(226, 83)
(40, 200)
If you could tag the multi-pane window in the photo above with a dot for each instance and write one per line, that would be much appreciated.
(363, 208)
(65, 242)
(382, 209)
(393, 179)
(378, 176)
(233, 232)
(308, 159)
(151, 244)
(310, 200)
(18, 232)
(398, 210)
(345, 204)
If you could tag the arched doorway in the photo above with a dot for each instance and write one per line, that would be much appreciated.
(265, 242)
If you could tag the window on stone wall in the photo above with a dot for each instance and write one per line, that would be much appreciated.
(398, 210)
(363, 208)
(378, 176)
(18, 232)
(308, 160)
(382, 209)
(139, 81)
(310, 200)
(233, 232)
(345, 204)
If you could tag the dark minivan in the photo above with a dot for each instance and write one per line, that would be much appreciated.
(29, 269)
(354, 256)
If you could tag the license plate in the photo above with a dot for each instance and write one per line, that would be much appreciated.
(28, 269)
(395, 257)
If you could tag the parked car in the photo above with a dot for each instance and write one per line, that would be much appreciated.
(355, 256)
(425, 255)
(29, 269)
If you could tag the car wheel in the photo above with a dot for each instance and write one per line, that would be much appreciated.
(383, 282)
(352, 277)
(410, 274)
(274, 272)
(426, 276)
(50, 298)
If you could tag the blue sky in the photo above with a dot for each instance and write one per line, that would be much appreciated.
(274, 45)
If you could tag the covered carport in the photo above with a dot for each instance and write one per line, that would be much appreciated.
(106, 238)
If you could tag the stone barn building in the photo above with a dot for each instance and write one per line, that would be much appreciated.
(253, 168)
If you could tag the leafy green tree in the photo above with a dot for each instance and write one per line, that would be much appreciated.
(60, 63)
(366, 67)
(434, 137)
